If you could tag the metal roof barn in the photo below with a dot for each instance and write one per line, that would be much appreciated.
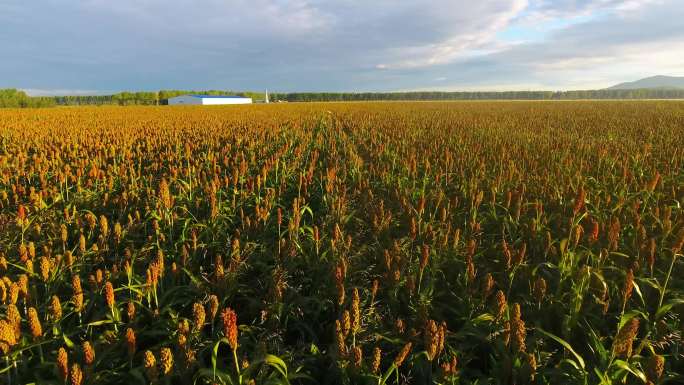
(207, 100)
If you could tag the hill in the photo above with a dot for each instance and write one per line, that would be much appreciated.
(666, 82)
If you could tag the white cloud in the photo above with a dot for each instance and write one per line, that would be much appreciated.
(459, 42)
(554, 9)
(63, 92)
(621, 46)
(334, 44)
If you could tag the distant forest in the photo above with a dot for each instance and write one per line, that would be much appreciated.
(506, 95)
(18, 99)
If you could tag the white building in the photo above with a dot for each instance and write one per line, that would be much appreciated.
(208, 100)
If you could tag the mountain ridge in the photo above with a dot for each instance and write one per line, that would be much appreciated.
(652, 82)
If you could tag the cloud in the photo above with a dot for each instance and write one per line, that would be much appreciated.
(591, 54)
(239, 42)
(64, 92)
(554, 9)
(413, 34)
(332, 45)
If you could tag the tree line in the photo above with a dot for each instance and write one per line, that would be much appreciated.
(144, 98)
(11, 98)
(19, 99)
(505, 95)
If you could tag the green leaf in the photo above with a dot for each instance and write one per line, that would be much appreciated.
(483, 318)
(605, 380)
(629, 315)
(623, 255)
(630, 368)
(6, 369)
(68, 341)
(667, 307)
(100, 322)
(387, 374)
(566, 345)
(277, 363)
(192, 277)
(570, 362)
(214, 376)
(214, 355)
(650, 282)
(638, 291)
(307, 209)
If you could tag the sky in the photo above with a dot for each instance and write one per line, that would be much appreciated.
(52, 47)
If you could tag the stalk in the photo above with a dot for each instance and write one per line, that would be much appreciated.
(9, 370)
(667, 280)
(387, 374)
(114, 318)
(237, 365)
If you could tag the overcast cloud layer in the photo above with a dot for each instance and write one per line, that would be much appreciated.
(89, 46)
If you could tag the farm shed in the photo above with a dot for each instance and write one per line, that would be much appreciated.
(208, 100)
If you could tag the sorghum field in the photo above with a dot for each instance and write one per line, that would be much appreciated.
(359, 243)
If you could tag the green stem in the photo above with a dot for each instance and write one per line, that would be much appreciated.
(388, 373)
(114, 319)
(237, 366)
(9, 372)
(667, 280)
(420, 281)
